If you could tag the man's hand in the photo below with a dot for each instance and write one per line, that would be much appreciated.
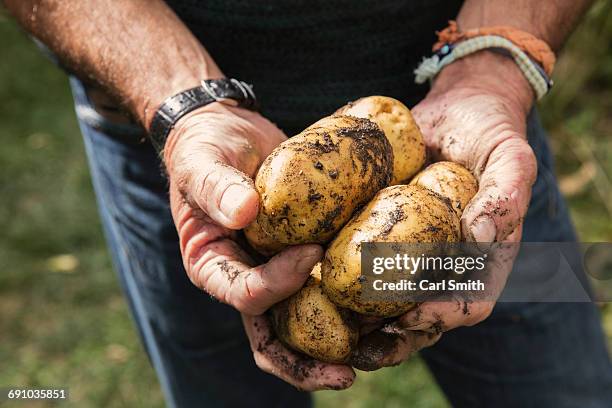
(211, 156)
(474, 115)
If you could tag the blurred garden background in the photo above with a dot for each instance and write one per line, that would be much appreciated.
(63, 320)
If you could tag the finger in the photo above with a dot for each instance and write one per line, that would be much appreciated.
(283, 275)
(216, 264)
(472, 307)
(226, 194)
(300, 371)
(368, 324)
(504, 193)
(438, 317)
(389, 346)
(223, 269)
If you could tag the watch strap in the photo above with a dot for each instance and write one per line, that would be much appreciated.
(228, 91)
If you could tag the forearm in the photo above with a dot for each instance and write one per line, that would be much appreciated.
(138, 50)
(549, 20)
(476, 115)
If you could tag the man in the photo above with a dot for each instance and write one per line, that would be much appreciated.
(305, 59)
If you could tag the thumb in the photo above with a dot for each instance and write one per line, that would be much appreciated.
(504, 193)
(224, 193)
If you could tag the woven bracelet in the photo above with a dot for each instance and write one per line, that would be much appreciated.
(448, 53)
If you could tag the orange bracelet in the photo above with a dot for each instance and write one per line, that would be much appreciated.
(537, 49)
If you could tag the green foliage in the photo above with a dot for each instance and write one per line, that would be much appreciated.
(578, 116)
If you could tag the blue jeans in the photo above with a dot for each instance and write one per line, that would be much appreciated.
(538, 354)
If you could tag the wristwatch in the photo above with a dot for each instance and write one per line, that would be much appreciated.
(228, 91)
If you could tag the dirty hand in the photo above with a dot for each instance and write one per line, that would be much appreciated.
(211, 157)
(475, 115)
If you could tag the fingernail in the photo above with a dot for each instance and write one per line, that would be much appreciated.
(232, 199)
(483, 232)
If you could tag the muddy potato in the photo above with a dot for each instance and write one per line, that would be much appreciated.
(450, 180)
(410, 214)
(395, 119)
(310, 323)
(261, 241)
(311, 184)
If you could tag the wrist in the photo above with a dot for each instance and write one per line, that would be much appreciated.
(490, 73)
(179, 83)
(227, 91)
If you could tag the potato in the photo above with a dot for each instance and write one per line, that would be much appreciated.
(395, 119)
(311, 184)
(310, 323)
(450, 180)
(261, 241)
(396, 214)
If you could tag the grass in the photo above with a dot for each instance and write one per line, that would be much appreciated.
(63, 321)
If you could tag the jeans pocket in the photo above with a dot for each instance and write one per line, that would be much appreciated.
(86, 112)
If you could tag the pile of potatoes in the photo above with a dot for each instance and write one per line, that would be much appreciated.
(349, 178)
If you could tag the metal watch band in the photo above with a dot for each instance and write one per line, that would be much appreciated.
(228, 91)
